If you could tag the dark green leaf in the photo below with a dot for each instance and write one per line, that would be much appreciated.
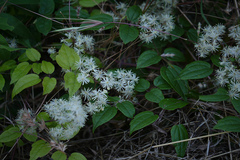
(46, 7)
(148, 58)
(7, 65)
(104, 116)
(172, 104)
(161, 83)
(142, 85)
(19, 28)
(179, 132)
(178, 31)
(178, 55)
(196, 70)
(90, 3)
(142, 120)
(171, 75)
(236, 104)
(133, 13)
(229, 123)
(220, 95)
(43, 25)
(155, 95)
(126, 108)
(2, 82)
(192, 34)
(128, 33)
(216, 60)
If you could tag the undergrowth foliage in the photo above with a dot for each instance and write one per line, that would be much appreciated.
(66, 65)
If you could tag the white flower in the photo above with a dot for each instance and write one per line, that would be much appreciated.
(83, 78)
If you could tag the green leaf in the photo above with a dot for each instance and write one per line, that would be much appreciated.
(47, 67)
(58, 155)
(36, 67)
(46, 7)
(178, 31)
(179, 132)
(126, 108)
(19, 28)
(21, 70)
(4, 25)
(7, 65)
(104, 116)
(90, 3)
(171, 75)
(128, 33)
(43, 25)
(39, 149)
(2, 82)
(71, 83)
(25, 82)
(148, 58)
(133, 13)
(31, 137)
(236, 104)
(216, 60)
(155, 95)
(10, 134)
(178, 55)
(196, 70)
(48, 85)
(192, 35)
(142, 85)
(229, 123)
(142, 120)
(33, 54)
(3, 41)
(77, 156)
(172, 104)
(220, 95)
(67, 58)
(161, 83)
(113, 99)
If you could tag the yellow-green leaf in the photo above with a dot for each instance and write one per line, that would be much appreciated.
(47, 67)
(71, 83)
(58, 155)
(10, 134)
(48, 84)
(36, 67)
(21, 70)
(67, 57)
(39, 149)
(25, 82)
(33, 54)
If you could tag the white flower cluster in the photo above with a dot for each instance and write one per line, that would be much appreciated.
(121, 9)
(157, 21)
(235, 33)
(68, 113)
(79, 42)
(12, 43)
(228, 75)
(121, 80)
(25, 120)
(209, 40)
